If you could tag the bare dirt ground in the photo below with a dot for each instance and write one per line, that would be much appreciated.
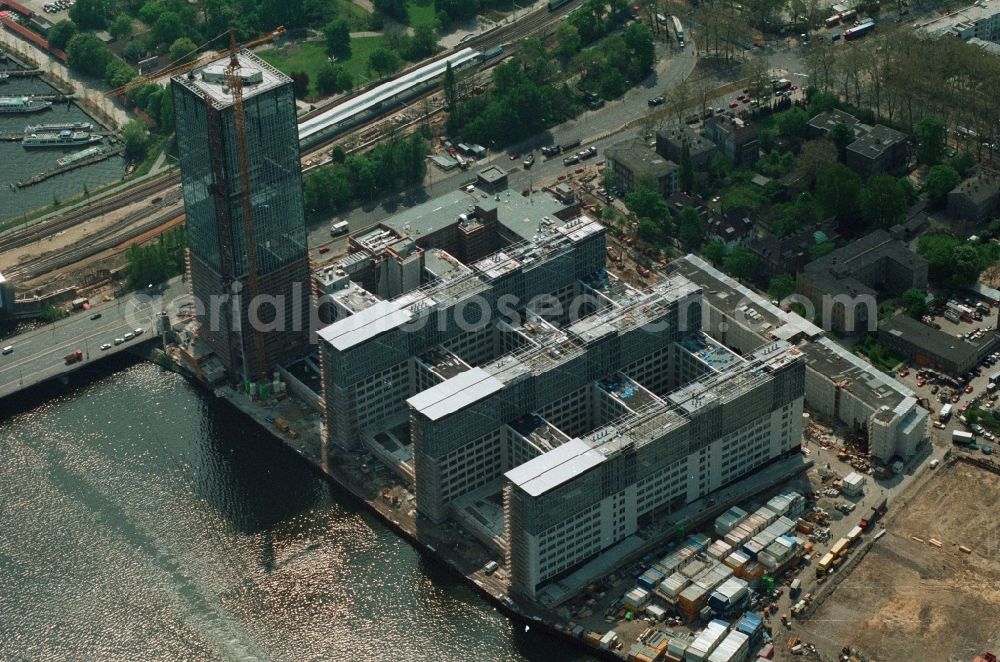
(909, 600)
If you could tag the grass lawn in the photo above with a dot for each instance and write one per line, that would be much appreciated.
(310, 57)
(420, 11)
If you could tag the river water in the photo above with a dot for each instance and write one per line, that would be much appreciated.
(142, 519)
(19, 163)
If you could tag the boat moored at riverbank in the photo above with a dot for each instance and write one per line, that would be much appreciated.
(23, 105)
(60, 139)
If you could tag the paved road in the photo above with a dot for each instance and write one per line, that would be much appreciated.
(671, 68)
(39, 355)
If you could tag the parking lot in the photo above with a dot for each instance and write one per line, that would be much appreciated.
(54, 10)
(963, 392)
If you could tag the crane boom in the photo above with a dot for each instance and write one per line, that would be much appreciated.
(235, 82)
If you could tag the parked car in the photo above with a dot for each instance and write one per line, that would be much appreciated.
(105, 346)
(656, 101)
(95, 316)
(9, 349)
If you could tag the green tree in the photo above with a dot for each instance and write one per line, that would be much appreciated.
(940, 180)
(182, 50)
(395, 9)
(816, 251)
(882, 201)
(88, 55)
(841, 135)
(690, 229)
(117, 73)
(300, 84)
(331, 79)
(644, 202)
(60, 34)
(685, 171)
(963, 163)
(792, 123)
(166, 115)
(134, 51)
(741, 263)
(91, 14)
(821, 101)
(121, 27)
(781, 286)
(639, 41)
(649, 231)
(931, 134)
(384, 61)
(448, 84)
(837, 189)
(168, 28)
(568, 38)
(424, 42)
(914, 301)
(715, 252)
(135, 135)
(337, 36)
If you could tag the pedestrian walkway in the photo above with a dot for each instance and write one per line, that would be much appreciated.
(93, 100)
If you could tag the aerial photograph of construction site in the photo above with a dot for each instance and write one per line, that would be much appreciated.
(440, 330)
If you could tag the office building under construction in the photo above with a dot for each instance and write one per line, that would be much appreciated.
(239, 154)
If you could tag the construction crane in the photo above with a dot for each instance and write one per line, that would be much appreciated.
(182, 64)
(235, 82)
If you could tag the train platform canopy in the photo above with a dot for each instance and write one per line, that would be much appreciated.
(344, 112)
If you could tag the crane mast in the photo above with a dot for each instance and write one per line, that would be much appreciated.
(235, 83)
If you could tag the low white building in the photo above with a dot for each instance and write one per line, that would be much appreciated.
(853, 484)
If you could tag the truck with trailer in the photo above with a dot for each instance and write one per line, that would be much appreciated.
(860, 31)
(962, 438)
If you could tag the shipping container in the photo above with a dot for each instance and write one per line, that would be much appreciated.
(840, 547)
(733, 648)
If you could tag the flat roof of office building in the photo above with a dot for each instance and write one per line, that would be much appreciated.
(380, 317)
(454, 394)
(550, 470)
(933, 341)
(518, 213)
(209, 81)
(736, 300)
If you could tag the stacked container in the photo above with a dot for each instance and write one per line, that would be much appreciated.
(733, 648)
(719, 550)
(636, 598)
(650, 579)
(707, 641)
(731, 595)
(752, 625)
(728, 520)
(671, 587)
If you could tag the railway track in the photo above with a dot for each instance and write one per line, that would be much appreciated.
(537, 24)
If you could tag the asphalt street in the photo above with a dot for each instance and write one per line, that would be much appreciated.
(39, 355)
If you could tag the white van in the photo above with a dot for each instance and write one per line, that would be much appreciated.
(934, 463)
(491, 567)
(8, 349)
(339, 228)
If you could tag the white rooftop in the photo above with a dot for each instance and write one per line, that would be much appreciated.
(379, 318)
(210, 80)
(549, 470)
(456, 393)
